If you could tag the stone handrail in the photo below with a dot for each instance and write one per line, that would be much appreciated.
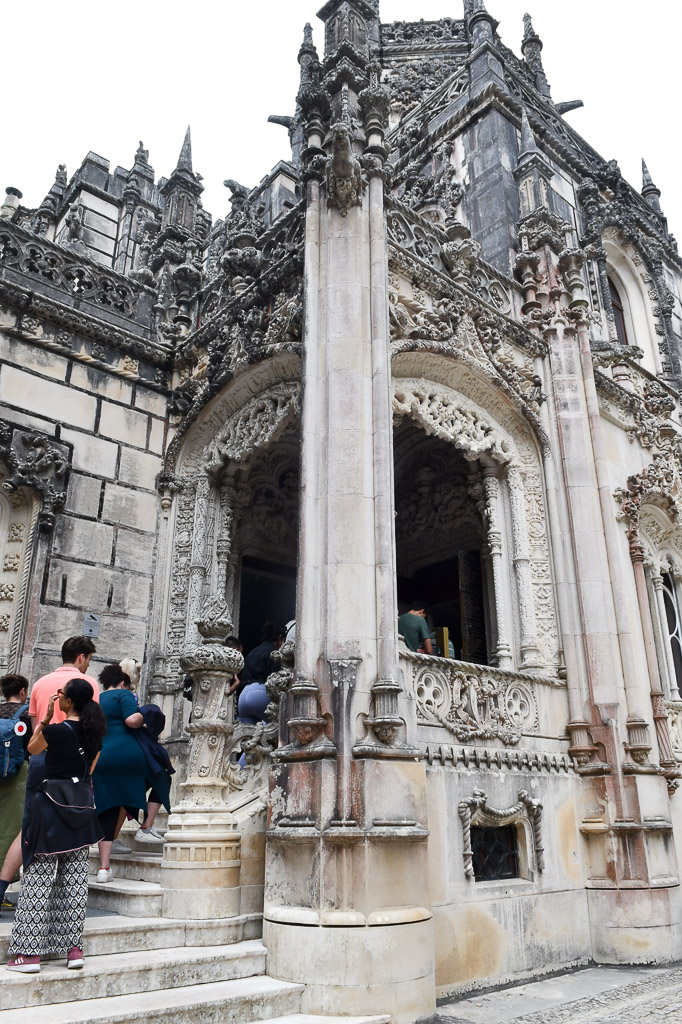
(473, 702)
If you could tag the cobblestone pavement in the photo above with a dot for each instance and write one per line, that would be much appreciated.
(597, 995)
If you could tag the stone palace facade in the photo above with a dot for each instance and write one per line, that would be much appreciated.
(435, 354)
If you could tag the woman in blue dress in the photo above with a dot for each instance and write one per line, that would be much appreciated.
(119, 779)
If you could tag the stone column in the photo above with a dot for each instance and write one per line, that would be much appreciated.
(202, 537)
(665, 750)
(347, 816)
(661, 626)
(530, 651)
(491, 485)
(224, 538)
(200, 866)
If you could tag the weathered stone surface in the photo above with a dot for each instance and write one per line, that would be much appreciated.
(92, 454)
(126, 507)
(436, 356)
(124, 425)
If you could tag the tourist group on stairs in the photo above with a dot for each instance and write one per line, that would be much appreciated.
(75, 763)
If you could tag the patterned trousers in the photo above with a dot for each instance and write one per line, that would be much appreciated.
(51, 908)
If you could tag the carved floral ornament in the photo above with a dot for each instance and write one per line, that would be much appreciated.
(474, 705)
(444, 414)
(658, 483)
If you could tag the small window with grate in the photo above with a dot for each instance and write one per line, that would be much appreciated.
(495, 853)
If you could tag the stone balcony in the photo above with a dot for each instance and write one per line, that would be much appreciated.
(484, 706)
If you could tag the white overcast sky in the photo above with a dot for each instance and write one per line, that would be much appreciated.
(79, 76)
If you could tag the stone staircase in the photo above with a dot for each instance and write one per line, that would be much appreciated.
(142, 969)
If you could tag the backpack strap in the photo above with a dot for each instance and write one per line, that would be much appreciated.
(80, 750)
(17, 714)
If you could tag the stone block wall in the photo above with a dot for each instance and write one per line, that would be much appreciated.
(100, 555)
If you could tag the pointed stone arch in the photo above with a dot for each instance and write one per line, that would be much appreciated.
(203, 504)
(450, 400)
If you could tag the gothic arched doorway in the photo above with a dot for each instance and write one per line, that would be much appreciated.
(440, 538)
(262, 585)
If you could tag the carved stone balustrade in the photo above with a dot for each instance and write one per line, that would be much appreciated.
(479, 703)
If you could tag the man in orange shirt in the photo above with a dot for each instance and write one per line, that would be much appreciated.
(76, 654)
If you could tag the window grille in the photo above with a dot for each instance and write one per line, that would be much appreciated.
(495, 853)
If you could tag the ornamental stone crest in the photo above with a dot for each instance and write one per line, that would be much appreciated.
(38, 462)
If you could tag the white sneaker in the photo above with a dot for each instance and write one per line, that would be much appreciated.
(119, 847)
(150, 836)
(104, 875)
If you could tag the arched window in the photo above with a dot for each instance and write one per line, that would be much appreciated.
(618, 313)
(673, 628)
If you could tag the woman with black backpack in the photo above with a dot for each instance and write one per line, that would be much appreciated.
(54, 890)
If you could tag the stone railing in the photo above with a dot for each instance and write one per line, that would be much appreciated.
(674, 709)
(74, 273)
(473, 702)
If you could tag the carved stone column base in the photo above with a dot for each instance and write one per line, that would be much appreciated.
(201, 864)
(583, 750)
(638, 745)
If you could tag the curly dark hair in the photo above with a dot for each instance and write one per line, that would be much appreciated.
(93, 724)
(113, 675)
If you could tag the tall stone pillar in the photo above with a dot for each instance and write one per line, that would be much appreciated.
(347, 906)
(200, 866)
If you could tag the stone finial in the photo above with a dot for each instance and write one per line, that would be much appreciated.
(531, 48)
(185, 158)
(650, 193)
(142, 154)
(529, 32)
(308, 48)
(528, 144)
(214, 622)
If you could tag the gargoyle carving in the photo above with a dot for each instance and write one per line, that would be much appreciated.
(343, 172)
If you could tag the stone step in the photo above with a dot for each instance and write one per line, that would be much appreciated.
(227, 1002)
(127, 973)
(118, 934)
(312, 1018)
(125, 896)
(136, 867)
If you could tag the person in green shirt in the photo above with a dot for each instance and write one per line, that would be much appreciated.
(412, 625)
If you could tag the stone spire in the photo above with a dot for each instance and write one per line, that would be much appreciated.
(531, 48)
(528, 145)
(185, 158)
(182, 191)
(533, 172)
(650, 193)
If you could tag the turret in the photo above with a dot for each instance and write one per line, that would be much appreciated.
(182, 191)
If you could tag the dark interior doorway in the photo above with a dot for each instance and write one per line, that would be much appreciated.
(268, 593)
(453, 592)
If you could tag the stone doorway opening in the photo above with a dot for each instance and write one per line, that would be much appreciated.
(263, 577)
(268, 593)
(440, 538)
